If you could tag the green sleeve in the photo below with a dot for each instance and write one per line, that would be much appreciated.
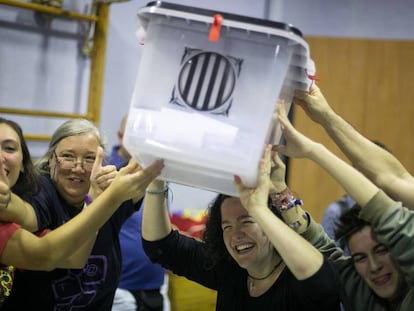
(394, 226)
(355, 294)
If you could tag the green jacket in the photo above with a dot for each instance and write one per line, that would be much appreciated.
(394, 226)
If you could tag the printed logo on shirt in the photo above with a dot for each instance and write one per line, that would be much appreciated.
(79, 288)
(6, 282)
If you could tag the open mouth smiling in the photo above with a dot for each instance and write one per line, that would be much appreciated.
(243, 248)
(76, 180)
(382, 280)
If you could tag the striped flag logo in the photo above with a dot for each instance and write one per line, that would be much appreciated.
(206, 81)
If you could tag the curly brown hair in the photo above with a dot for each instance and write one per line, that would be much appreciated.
(213, 233)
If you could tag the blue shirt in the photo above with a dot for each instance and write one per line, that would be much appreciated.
(138, 272)
(115, 158)
(332, 214)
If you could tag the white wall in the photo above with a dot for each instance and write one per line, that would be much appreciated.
(41, 67)
(382, 19)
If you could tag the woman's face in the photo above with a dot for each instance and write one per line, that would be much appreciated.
(244, 239)
(71, 165)
(11, 153)
(374, 263)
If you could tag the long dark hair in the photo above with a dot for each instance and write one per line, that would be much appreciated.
(213, 233)
(28, 181)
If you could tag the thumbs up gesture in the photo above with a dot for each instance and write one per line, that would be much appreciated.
(101, 176)
(5, 192)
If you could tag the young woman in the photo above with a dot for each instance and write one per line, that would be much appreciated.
(379, 233)
(252, 259)
(59, 205)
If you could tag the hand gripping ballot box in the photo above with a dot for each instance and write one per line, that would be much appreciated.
(206, 91)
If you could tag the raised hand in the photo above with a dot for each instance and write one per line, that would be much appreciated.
(277, 174)
(313, 103)
(132, 180)
(101, 176)
(5, 192)
(256, 197)
(297, 145)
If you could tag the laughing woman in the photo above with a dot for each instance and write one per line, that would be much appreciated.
(250, 256)
(74, 227)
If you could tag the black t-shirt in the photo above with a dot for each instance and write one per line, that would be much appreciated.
(90, 288)
(186, 257)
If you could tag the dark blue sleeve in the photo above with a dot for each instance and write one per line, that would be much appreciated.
(126, 209)
(47, 205)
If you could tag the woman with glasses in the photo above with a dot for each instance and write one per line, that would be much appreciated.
(69, 181)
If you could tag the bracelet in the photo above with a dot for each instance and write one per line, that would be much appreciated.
(279, 197)
(284, 200)
(299, 220)
(88, 200)
(164, 191)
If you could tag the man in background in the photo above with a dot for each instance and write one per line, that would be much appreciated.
(143, 285)
(334, 210)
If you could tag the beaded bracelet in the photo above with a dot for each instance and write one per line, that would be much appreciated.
(284, 200)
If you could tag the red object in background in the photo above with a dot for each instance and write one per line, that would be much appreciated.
(189, 226)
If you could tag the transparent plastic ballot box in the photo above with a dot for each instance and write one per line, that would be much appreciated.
(207, 87)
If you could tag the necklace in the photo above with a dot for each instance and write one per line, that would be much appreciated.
(252, 278)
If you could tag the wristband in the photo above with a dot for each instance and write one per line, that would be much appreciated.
(164, 191)
(297, 219)
(284, 200)
(88, 199)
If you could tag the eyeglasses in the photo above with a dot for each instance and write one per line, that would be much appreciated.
(69, 162)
